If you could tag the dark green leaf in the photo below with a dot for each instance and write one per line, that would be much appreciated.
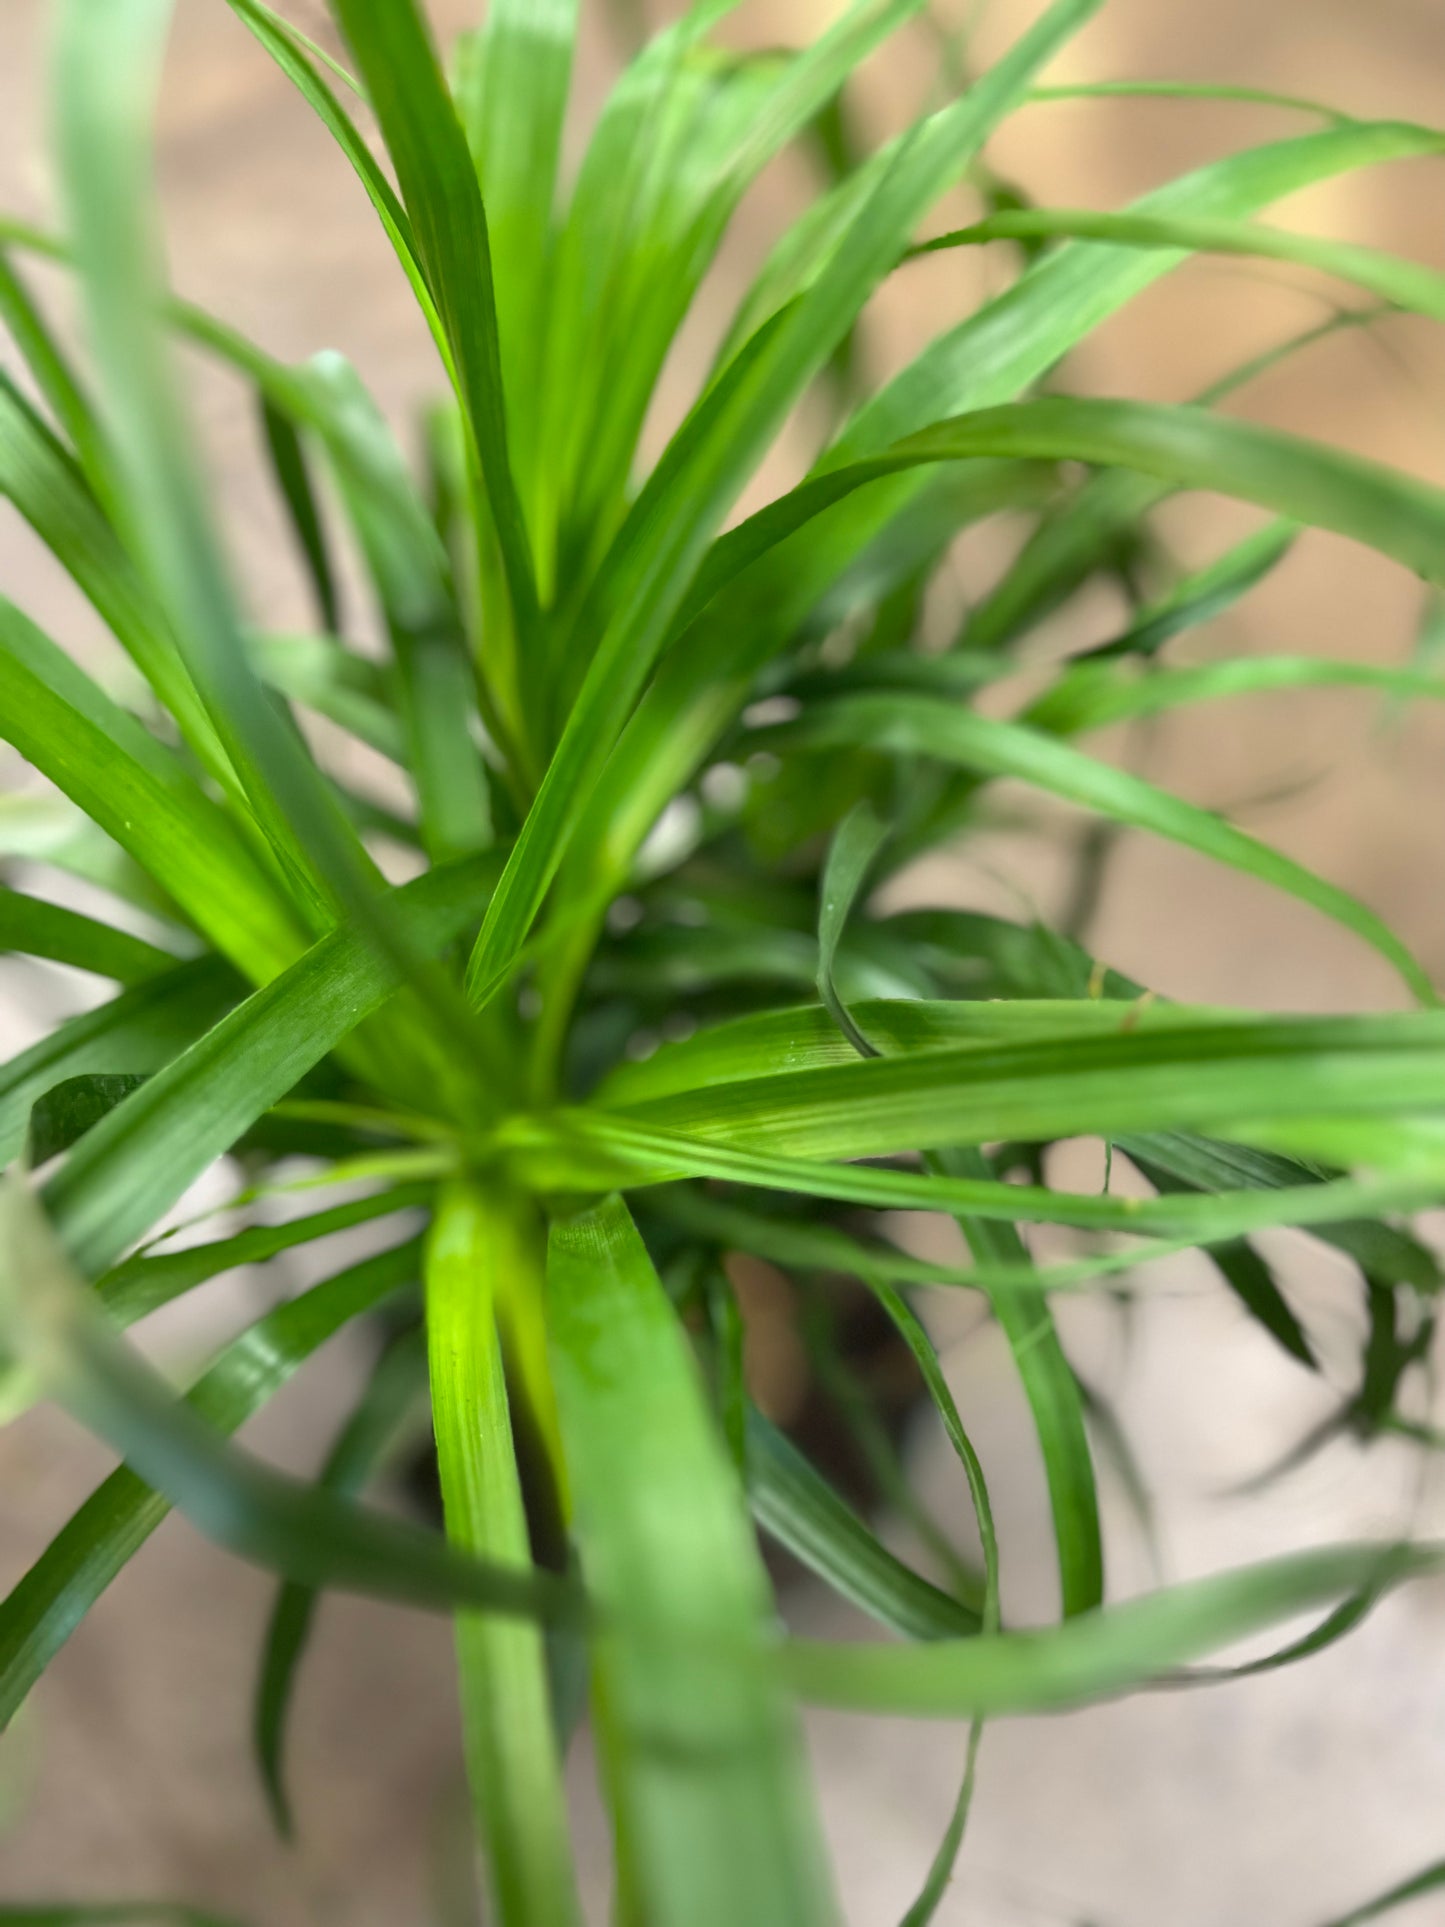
(69, 1109)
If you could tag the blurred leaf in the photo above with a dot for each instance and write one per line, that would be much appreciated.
(1428, 1881)
(793, 1502)
(662, 1531)
(391, 1398)
(68, 1110)
(1098, 1654)
(38, 929)
(476, 1242)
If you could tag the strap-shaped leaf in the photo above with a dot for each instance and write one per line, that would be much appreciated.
(588, 1150)
(483, 1245)
(805, 1037)
(1186, 447)
(438, 183)
(683, 136)
(924, 726)
(391, 1399)
(434, 677)
(1099, 525)
(294, 56)
(1027, 1322)
(298, 495)
(35, 928)
(136, 1163)
(107, 70)
(51, 370)
(141, 1285)
(1404, 284)
(511, 89)
(800, 1244)
(793, 1502)
(1098, 693)
(1100, 1653)
(1132, 1080)
(911, 1330)
(988, 359)
(48, 489)
(703, 1756)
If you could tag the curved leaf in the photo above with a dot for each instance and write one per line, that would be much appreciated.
(924, 726)
(1099, 1654)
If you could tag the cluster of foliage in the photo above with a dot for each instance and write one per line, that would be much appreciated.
(636, 1010)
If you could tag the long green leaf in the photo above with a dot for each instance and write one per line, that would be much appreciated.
(1404, 284)
(1012, 340)
(582, 1151)
(1099, 1654)
(1130, 1080)
(35, 928)
(794, 1503)
(391, 1397)
(512, 1760)
(805, 1036)
(133, 790)
(293, 480)
(703, 1759)
(291, 54)
(46, 487)
(511, 89)
(987, 359)
(438, 183)
(1027, 1323)
(923, 726)
(1096, 694)
(107, 71)
(140, 1285)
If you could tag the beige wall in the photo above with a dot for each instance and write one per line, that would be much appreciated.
(1274, 1803)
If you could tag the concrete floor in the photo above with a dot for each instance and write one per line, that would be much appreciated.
(1270, 1804)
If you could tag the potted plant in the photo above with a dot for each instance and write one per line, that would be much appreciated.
(614, 1001)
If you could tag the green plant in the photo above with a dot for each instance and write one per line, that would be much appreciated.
(659, 764)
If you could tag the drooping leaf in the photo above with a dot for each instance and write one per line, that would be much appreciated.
(1099, 1653)
(924, 726)
(794, 1504)
(391, 1398)
(49, 1602)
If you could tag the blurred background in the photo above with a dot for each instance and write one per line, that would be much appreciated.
(1279, 1800)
